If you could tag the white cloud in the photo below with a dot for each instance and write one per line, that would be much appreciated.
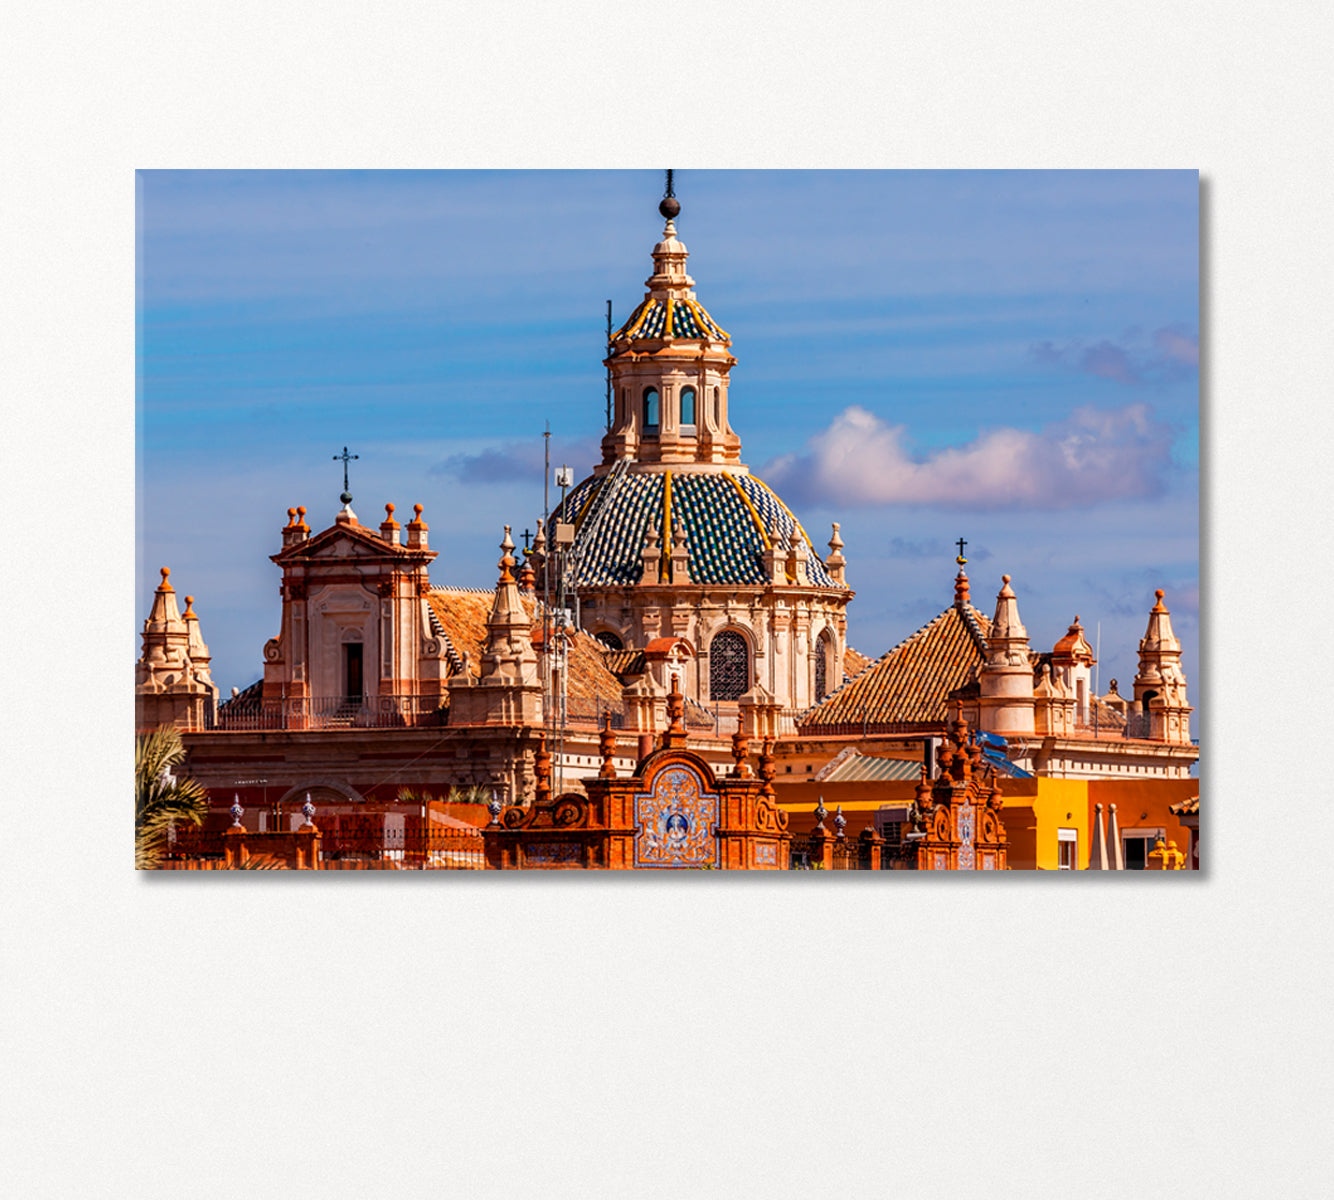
(1093, 456)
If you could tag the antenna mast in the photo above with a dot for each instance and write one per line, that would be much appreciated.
(608, 366)
(546, 577)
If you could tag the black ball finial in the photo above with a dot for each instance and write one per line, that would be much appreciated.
(346, 497)
(670, 205)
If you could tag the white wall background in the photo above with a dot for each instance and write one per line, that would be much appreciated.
(649, 1037)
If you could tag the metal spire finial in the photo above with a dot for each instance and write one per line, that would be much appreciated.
(961, 560)
(345, 458)
(670, 206)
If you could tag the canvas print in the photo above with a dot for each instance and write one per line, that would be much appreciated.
(668, 521)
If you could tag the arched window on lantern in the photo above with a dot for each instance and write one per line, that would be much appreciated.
(729, 666)
(651, 408)
(824, 665)
(687, 406)
(717, 408)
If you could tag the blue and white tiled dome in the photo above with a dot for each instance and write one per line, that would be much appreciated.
(683, 317)
(728, 518)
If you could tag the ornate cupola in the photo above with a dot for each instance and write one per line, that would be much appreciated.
(669, 365)
(172, 681)
(1006, 677)
(1160, 683)
(1072, 663)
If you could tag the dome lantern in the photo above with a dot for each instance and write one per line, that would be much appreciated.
(669, 365)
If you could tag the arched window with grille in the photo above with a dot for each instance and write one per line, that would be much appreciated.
(824, 662)
(729, 666)
(610, 640)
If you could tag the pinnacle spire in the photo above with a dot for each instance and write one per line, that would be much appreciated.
(1006, 624)
(507, 559)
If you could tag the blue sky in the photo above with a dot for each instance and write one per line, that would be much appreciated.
(1010, 357)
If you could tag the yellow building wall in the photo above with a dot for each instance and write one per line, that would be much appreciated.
(1145, 802)
(1034, 810)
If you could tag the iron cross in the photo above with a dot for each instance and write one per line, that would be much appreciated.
(961, 560)
(345, 458)
(526, 537)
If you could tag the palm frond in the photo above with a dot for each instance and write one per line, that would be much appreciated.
(473, 793)
(159, 801)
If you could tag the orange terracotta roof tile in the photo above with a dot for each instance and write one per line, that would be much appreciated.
(1187, 808)
(460, 621)
(589, 679)
(912, 683)
(459, 618)
(854, 662)
(626, 662)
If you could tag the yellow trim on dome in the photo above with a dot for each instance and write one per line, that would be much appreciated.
(667, 322)
(637, 318)
(593, 491)
(664, 559)
(754, 516)
(801, 529)
(701, 311)
(667, 510)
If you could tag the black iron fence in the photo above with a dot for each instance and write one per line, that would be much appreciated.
(408, 842)
(847, 854)
(331, 712)
(393, 842)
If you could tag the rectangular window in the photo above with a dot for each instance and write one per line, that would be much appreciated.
(1136, 846)
(1067, 849)
(352, 652)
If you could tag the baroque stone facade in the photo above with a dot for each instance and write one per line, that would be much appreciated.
(355, 621)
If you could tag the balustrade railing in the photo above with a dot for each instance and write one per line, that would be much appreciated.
(331, 712)
(1108, 723)
(590, 712)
